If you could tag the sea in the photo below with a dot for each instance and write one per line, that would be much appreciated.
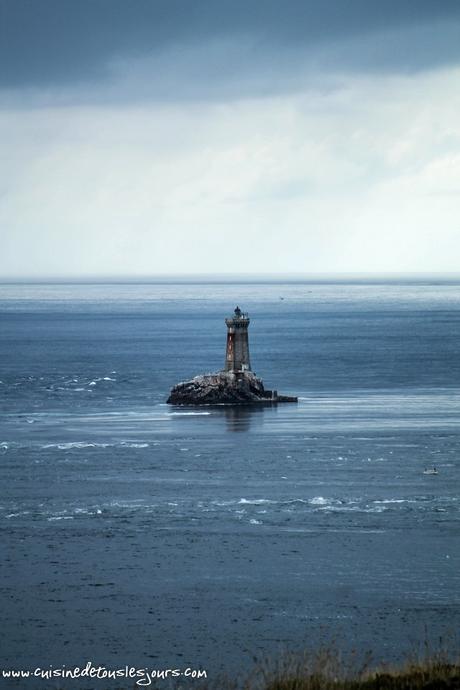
(142, 534)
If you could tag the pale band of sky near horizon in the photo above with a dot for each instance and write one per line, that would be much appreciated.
(222, 137)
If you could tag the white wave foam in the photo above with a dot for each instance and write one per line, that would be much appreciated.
(188, 414)
(259, 502)
(134, 444)
(319, 501)
(76, 444)
(255, 522)
(87, 511)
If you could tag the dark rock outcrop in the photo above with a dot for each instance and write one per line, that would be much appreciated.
(237, 384)
(224, 387)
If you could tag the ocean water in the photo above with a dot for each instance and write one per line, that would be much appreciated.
(138, 533)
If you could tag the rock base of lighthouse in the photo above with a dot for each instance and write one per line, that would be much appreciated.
(225, 388)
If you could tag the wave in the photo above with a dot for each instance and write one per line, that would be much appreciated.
(272, 512)
(188, 414)
(133, 444)
(323, 504)
(76, 444)
(319, 501)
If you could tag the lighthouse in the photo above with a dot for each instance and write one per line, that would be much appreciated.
(236, 384)
(237, 353)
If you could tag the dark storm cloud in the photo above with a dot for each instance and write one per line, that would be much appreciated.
(62, 42)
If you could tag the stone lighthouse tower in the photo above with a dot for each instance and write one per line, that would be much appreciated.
(237, 354)
(236, 384)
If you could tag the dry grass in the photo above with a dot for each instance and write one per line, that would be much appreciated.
(328, 670)
(428, 676)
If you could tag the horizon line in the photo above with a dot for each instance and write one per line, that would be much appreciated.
(296, 277)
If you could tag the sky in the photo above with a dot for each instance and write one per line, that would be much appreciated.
(147, 137)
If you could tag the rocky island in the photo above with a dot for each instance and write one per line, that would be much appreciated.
(236, 384)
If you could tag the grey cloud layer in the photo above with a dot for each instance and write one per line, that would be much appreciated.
(214, 45)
